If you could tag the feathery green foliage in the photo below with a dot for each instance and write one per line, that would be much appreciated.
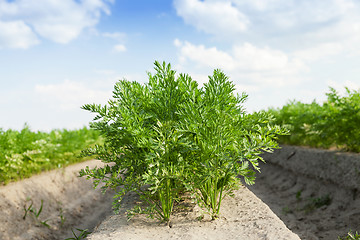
(169, 136)
(226, 140)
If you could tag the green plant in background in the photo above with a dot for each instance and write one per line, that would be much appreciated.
(332, 124)
(300, 119)
(350, 236)
(62, 217)
(27, 208)
(286, 210)
(36, 213)
(170, 136)
(24, 153)
(298, 195)
(314, 203)
(83, 234)
(341, 119)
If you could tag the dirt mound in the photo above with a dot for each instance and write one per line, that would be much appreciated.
(242, 217)
(68, 202)
(315, 192)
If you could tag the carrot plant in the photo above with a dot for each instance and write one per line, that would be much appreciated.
(170, 136)
(227, 140)
(140, 130)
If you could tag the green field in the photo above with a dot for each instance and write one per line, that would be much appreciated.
(332, 124)
(24, 153)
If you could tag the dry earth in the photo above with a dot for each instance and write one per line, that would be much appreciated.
(65, 197)
(243, 217)
(314, 192)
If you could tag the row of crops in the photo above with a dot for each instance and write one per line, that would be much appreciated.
(24, 153)
(170, 136)
(332, 124)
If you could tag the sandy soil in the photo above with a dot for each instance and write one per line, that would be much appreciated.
(242, 217)
(63, 193)
(65, 197)
(295, 179)
(314, 192)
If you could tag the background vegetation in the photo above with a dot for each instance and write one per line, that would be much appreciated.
(335, 123)
(331, 124)
(24, 153)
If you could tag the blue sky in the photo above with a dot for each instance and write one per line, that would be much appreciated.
(57, 55)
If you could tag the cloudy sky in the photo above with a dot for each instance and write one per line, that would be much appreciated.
(56, 55)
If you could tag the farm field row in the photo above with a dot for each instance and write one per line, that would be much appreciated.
(153, 133)
(52, 204)
(312, 204)
(332, 124)
(313, 191)
(292, 196)
(24, 153)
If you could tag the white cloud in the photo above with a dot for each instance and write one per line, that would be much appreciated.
(260, 59)
(258, 65)
(255, 66)
(202, 56)
(59, 21)
(71, 95)
(260, 5)
(120, 48)
(16, 34)
(119, 36)
(319, 51)
(296, 25)
(240, 88)
(283, 44)
(105, 72)
(214, 17)
(340, 86)
(345, 34)
(290, 13)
